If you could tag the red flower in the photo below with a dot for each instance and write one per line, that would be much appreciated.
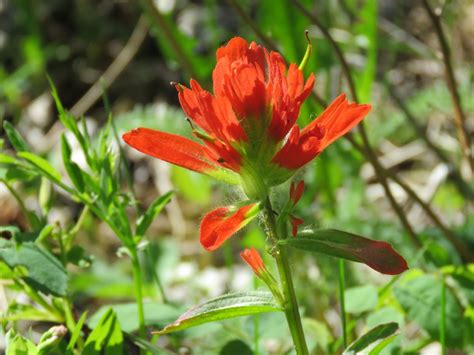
(254, 260)
(248, 126)
(223, 222)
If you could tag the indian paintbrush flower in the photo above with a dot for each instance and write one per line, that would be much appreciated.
(247, 128)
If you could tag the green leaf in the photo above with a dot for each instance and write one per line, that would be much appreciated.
(44, 167)
(76, 332)
(73, 170)
(18, 345)
(383, 345)
(14, 137)
(152, 212)
(44, 272)
(6, 159)
(236, 346)
(420, 297)
(361, 299)
(106, 338)
(375, 334)
(224, 307)
(380, 256)
(22, 312)
(155, 315)
(367, 31)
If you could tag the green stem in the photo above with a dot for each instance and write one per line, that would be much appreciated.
(442, 319)
(137, 281)
(342, 286)
(290, 304)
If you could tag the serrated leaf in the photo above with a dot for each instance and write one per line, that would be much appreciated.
(15, 137)
(45, 272)
(224, 307)
(42, 165)
(152, 212)
(106, 338)
(73, 170)
(375, 334)
(379, 255)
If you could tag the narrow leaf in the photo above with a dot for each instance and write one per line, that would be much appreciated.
(15, 138)
(380, 256)
(106, 338)
(73, 170)
(42, 165)
(6, 159)
(152, 212)
(76, 332)
(224, 307)
(380, 332)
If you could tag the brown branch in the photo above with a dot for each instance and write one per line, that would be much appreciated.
(459, 116)
(106, 79)
(159, 21)
(114, 70)
(459, 182)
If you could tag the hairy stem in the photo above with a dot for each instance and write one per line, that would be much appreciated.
(290, 303)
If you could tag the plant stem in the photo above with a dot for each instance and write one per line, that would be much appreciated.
(459, 115)
(342, 286)
(137, 281)
(442, 322)
(290, 303)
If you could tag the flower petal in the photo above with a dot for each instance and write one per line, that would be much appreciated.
(336, 120)
(179, 151)
(253, 259)
(220, 224)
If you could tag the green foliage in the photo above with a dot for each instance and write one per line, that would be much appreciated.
(156, 315)
(224, 307)
(361, 299)
(145, 220)
(18, 345)
(419, 295)
(36, 266)
(375, 334)
(106, 337)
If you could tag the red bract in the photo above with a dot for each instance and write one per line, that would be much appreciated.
(254, 260)
(296, 191)
(295, 223)
(223, 222)
(248, 128)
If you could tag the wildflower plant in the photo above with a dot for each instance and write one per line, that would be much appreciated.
(247, 135)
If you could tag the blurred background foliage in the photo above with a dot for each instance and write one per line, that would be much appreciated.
(128, 53)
